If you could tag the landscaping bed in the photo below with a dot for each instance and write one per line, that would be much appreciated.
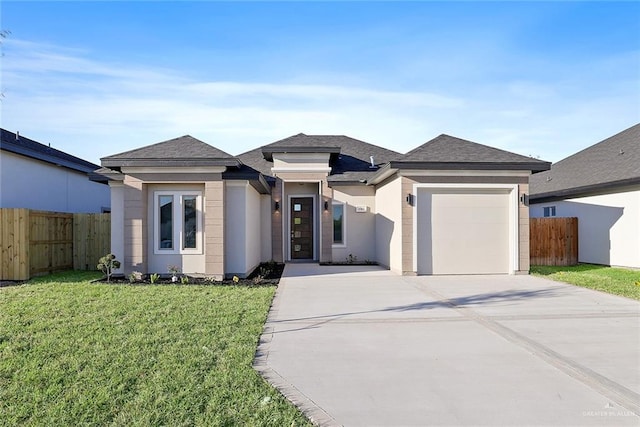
(266, 274)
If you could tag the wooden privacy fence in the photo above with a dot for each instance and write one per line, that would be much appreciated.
(553, 241)
(41, 242)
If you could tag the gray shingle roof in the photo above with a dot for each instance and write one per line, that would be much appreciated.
(183, 151)
(352, 164)
(449, 149)
(9, 141)
(613, 162)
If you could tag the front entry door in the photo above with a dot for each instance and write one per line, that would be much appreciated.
(301, 228)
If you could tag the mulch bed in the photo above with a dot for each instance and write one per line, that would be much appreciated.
(7, 283)
(269, 273)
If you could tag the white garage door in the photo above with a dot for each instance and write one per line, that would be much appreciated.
(463, 231)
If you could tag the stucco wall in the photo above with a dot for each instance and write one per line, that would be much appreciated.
(117, 222)
(266, 217)
(242, 228)
(235, 228)
(608, 226)
(388, 224)
(30, 183)
(360, 227)
(252, 227)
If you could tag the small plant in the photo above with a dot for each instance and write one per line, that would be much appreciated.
(235, 279)
(136, 276)
(174, 270)
(258, 279)
(265, 271)
(154, 277)
(107, 264)
(184, 280)
(352, 259)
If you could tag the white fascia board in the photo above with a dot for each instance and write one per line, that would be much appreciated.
(377, 180)
(185, 170)
(432, 172)
(301, 170)
(236, 183)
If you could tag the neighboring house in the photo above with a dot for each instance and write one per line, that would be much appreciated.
(599, 185)
(36, 176)
(448, 207)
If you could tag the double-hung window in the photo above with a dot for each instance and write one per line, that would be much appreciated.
(338, 224)
(177, 222)
(549, 211)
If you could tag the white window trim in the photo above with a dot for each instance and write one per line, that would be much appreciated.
(551, 209)
(178, 223)
(344, 225)
(514, 241)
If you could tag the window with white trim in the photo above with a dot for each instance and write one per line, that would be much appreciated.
(177, 222)
(549, 211)
(338, 224)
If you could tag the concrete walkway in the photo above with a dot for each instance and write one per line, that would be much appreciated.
(361, 346)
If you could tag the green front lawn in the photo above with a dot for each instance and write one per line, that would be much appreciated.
(77, 353)
(617, 281)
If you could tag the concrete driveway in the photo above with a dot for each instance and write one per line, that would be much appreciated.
(361, 346)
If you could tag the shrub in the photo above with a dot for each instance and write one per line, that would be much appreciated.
(136, 276)
(107, 264)
(154, 277)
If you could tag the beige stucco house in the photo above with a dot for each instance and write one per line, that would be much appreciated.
(600, 186)
(450, 206)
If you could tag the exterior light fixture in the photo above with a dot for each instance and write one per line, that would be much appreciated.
(524, 199)
(410, 199)
(326, 205)
(277, 206)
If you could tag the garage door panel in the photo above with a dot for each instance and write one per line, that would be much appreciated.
(463, 232)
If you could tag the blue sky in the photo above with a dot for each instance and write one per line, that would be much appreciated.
(544, 78)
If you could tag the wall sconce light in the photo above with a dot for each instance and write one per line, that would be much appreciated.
(277, 206)
(410, 199)
(524, 199)
(326, 205)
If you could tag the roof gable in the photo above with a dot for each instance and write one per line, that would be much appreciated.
(612, 162)
(183, 151)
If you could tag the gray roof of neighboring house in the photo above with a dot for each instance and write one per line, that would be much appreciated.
(611, 163)
(183, 151)
(350, 158)
(18, 144)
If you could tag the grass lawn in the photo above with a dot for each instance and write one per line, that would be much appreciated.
(617, 281)
(77, 353)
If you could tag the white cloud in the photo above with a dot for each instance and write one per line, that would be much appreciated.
(92, 109)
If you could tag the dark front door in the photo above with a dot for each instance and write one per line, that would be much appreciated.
(302, 228)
